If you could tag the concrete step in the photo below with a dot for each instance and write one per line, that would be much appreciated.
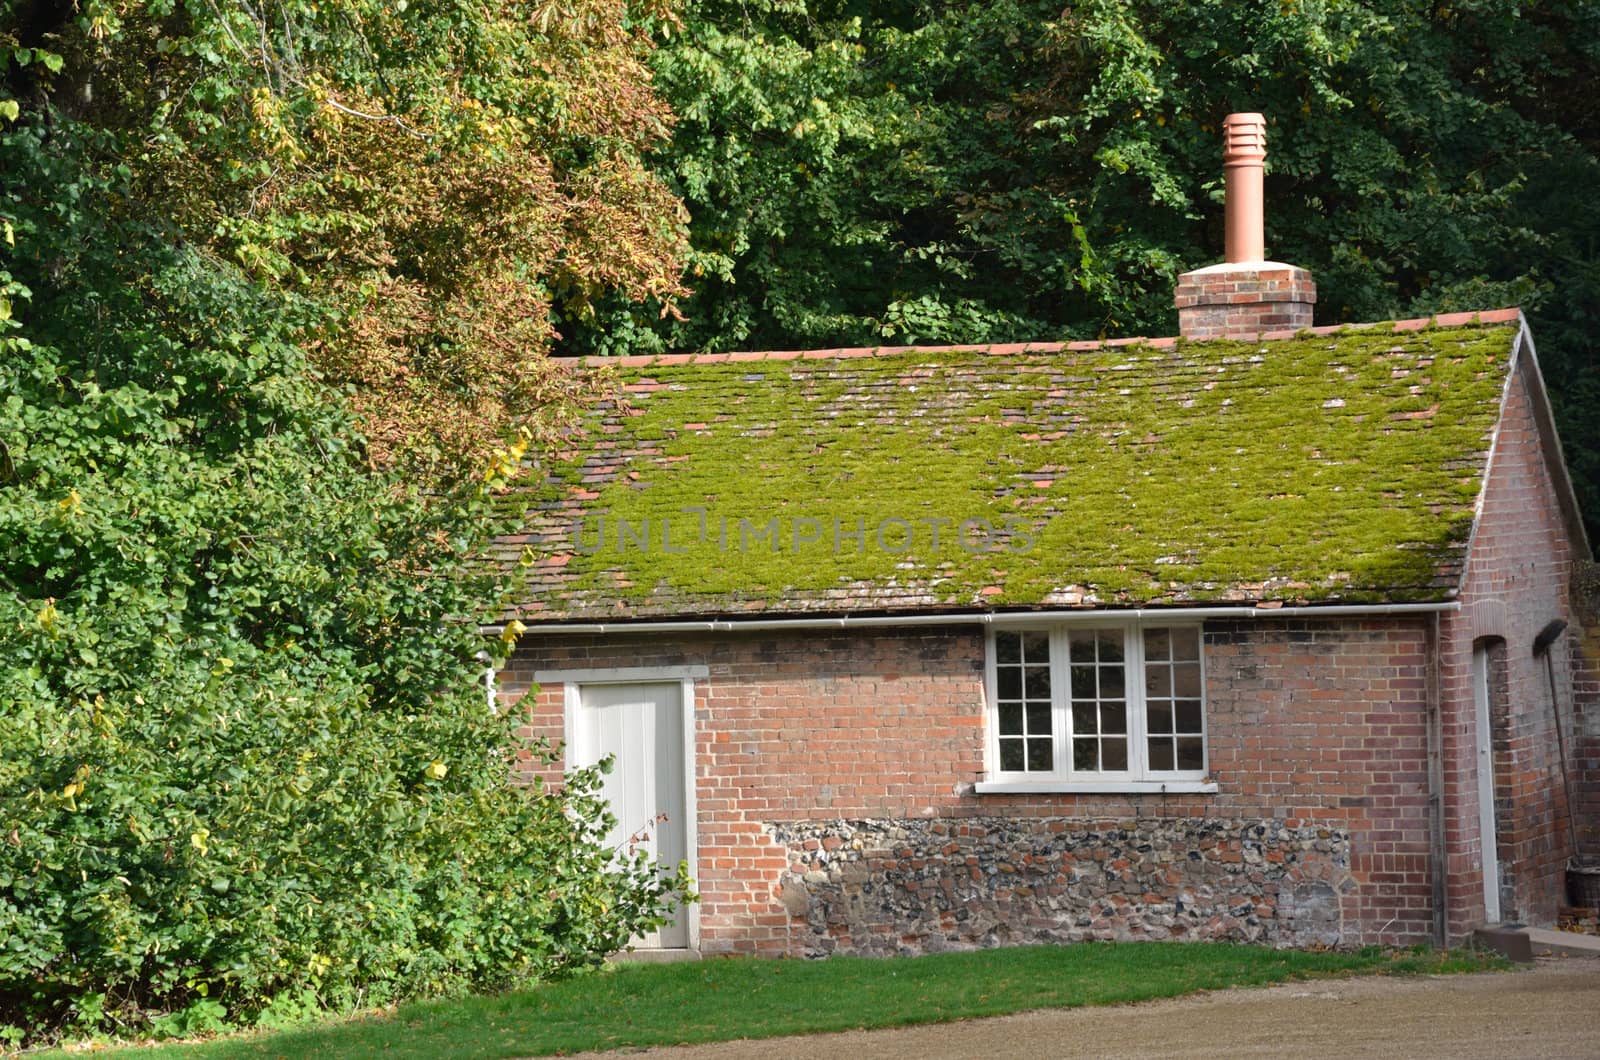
(1523, 944)
(1547, 943)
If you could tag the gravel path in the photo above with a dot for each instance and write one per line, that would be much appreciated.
(1550, 1010)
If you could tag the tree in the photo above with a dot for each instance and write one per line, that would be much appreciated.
(246, 766)
(440, 174)
(938, 172)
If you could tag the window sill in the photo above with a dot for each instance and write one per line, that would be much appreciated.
(1106, 787)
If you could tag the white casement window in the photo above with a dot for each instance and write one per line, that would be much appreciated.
(1096, 708)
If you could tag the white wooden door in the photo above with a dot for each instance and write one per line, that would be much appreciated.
(641, 724)
(1488, 840)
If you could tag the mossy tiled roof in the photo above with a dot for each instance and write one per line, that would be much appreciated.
(1328, 467)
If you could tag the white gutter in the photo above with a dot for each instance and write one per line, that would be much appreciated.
(986, 618)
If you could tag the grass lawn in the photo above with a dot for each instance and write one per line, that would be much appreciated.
(722, 999)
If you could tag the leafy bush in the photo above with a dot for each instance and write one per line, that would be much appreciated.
(246, 765)
(228, 841)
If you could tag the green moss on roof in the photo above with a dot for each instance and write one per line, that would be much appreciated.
(1319, 468)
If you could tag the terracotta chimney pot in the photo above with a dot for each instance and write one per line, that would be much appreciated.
(1244, 153)
(1246, 295)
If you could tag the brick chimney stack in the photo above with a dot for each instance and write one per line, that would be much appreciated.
(1245, 295)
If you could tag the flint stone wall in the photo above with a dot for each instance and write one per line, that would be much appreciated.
(882, 887)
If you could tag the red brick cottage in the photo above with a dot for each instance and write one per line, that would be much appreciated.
(937, 648)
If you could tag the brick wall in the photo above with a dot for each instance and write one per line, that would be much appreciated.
(1327, 722)
(792, 729)
(1518, 579)
(1317, 743)
(1240, 301)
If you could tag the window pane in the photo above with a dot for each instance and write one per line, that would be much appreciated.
(1038, 719)
(1008, 647)
(1113, 716)
(1160, 717)
(1101, 695)
(1084, 722)
(1038, 682)
(1157, 644)
(1083, 683)
(1174, 703)
(1189, 714)
(1110, 645)
(1011, 719)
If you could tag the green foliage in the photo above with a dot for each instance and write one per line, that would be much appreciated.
(244, 749)
(921, 172)
(437, 173)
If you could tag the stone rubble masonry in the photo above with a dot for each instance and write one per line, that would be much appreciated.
(1237, 301)
(881, 888)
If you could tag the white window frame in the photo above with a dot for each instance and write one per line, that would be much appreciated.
(1138, 777)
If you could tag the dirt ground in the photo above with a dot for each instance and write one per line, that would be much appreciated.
(1550, 1010)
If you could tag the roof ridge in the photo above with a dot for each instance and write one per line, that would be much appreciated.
(652, 360)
